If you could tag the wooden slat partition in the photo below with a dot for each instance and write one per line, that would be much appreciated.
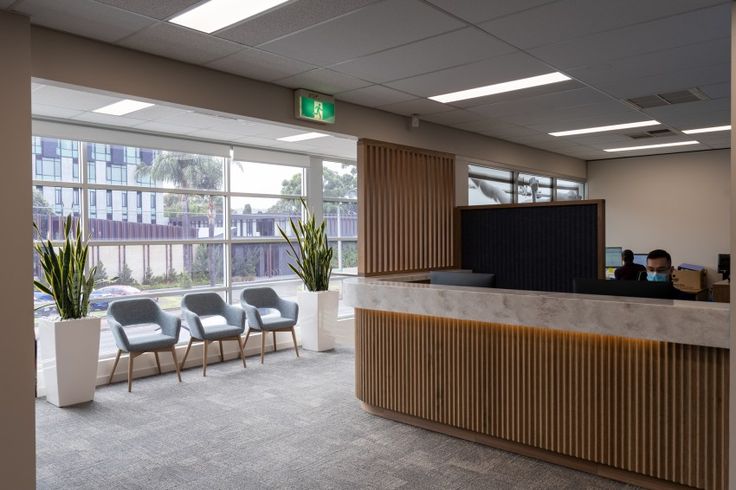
(655, 409)
(406, 200)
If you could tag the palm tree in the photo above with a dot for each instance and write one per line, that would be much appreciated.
(187, 171)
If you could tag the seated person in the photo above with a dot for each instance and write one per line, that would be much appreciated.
(659, 269)
(630, 271)
(659, 266)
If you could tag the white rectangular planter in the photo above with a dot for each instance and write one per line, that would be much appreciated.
(318, 319)
(69, 351)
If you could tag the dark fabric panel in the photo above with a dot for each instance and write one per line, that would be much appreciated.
(534, 248)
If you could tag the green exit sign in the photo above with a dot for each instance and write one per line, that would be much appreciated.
(314, 107)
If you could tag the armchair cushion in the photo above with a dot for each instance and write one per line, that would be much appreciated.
(215, 332)
(137, 311)
(196, 305)
(142, 343)
(261, 304)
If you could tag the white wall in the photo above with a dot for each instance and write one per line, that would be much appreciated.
(678, 202)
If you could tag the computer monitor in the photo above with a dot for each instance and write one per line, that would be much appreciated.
(613, 256)
(724, 265)
(640, 259)
(634, 289)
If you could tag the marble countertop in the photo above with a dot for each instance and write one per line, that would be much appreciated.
(683, 322)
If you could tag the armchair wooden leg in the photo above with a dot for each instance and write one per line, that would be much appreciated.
(222, 354)
(293, 337)
(241, 346)
(263, 344)
(186, 353)
(131, 356)
(204, 359)
(274, 340)
(114, 366)
(176, 363)
(246, 339)
(158, 363)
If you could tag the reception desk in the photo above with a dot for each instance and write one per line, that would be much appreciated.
(628, 388)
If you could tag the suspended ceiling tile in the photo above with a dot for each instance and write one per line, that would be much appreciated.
(158, 111)
(543, 103)
(495, 70)
(443, 51)
(477, 12)
(324, 80)
(158, 9)
(717, 90)
(53, 111)
(416, 106)
(704, 113)
(376, 27)
(666, 33)
(84, 18)
(165, 127)
(106, 119)
(71, 99)
(181, 43)
(216, 135)
(260, 65)
(289, 18)
(564, 20)
(375, 95)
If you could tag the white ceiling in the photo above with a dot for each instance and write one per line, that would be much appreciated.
(64, 104)
(393, 54)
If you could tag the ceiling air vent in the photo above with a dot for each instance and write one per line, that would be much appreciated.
(655, 133)
(668, 98)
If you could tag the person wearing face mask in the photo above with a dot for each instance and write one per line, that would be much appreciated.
(659, 266)
(630, 271)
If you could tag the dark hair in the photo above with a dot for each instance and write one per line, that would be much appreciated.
(628, 256)
(660, 254)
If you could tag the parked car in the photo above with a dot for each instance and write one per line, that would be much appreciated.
(100, 299)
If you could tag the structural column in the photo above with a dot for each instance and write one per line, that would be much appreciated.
(732, 407)
(17, 366)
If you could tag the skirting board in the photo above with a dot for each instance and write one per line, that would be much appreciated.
(524, 450)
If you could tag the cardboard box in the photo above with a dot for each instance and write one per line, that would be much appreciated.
(722, 291)
(689, 281)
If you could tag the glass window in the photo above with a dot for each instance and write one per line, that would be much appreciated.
(489, 186)
(534, 188)
(260, 261)
(252, 217)
(341, 218)
(55, 159)
(569, 190)
(176, 170)
(263, 178)
(339, 180)
(50, 217)
(345, 256)
(184, 216)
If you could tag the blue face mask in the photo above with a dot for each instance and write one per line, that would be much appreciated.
(658, 276)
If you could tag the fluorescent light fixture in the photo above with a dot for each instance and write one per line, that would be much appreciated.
(707, 130)
(661, 145)
(303, 137)
(125, 106)
(216, 14)
(612, 127)
(499, 88)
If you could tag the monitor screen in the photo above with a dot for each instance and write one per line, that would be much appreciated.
(640, 259)
(636, 289)
(613, 256)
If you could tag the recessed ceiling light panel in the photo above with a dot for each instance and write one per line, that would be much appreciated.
(647, 147)
(303, 137)
(600, 129)
(125, 106)
(217, 14)
(499, 88)
(712, 129)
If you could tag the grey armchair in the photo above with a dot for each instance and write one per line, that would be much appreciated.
(126, 312)
(260, 302)
(196, 305)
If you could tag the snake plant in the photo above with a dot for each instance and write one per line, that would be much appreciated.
(311, 252)
(63, 272)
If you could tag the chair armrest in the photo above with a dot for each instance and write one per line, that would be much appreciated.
(170, 324)
(235, 316)
(194, 323)
(118, 332)
(289, 309)
(253, 316)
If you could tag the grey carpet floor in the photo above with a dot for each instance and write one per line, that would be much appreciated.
(291, 423)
